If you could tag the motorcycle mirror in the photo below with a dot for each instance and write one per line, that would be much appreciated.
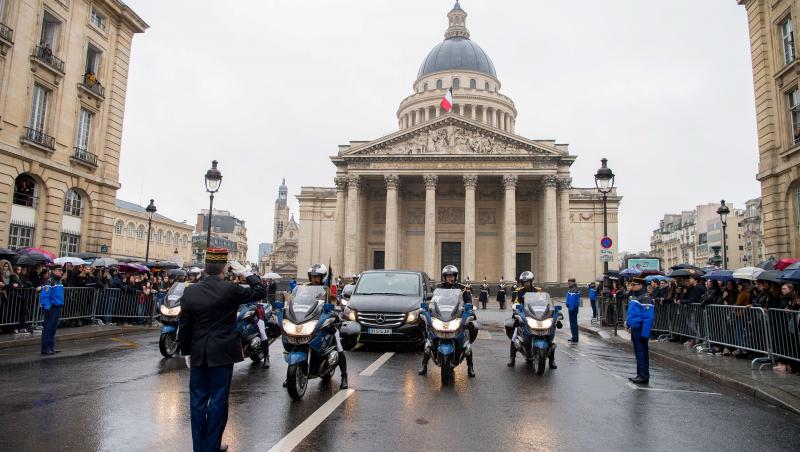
(424, 306)
(279, 305)
(468, 306)
(559, 325)
(557, 308)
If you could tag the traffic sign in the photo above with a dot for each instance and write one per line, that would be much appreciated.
(606, 256)
(606, 242)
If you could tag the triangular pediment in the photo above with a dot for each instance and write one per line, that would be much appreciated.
(452, 135)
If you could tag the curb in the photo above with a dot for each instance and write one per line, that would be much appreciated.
(745, 387)
(35, 340)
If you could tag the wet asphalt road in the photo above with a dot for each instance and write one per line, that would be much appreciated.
(119, 394)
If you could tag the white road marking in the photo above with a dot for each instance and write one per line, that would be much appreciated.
(369, 371)
(297, 435)
(639, 388)
(482, 334)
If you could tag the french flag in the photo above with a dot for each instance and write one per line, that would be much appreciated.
(447, 100)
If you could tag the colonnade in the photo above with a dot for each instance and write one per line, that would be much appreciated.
(494, 117)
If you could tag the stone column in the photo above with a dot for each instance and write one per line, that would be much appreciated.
(341, 206)
(485, 115)
(510, 227)
(427, 113)
(470, 182)
(550, 229)
(351, 233)
(492, 117)
(391, 237)
(564, 185)
(430, 224)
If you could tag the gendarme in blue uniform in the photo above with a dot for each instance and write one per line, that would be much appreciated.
(641, 314)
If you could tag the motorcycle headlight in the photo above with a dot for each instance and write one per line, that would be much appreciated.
(343, 301)
(302, 329)
(448, 327)
(350, 314)
(413, 316)
(170, 312)
(539, 324)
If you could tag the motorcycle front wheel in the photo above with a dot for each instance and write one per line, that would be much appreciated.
(541, 359)
(168, 345)
(296, 381)
(447, 371)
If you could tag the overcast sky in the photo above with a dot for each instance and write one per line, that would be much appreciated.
(271, 87)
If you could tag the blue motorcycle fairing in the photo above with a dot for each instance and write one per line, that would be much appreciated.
(446, 348)
(167, 329)
(296, 358)
(541, 344)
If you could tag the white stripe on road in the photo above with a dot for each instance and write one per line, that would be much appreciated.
(483, 334)
(297, 435)
(639, 388)
(376, 365)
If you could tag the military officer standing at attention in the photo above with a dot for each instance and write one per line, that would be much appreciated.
(208, 334)
(641, 315)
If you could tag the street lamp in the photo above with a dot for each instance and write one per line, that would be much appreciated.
(723, 212)
(604, 181)
(150, 209)
(213, 181)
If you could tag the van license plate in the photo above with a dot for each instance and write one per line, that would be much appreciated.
(379, 331)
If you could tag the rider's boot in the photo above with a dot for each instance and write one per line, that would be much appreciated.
(265, 350)
(424, 368)
(470, 367)
(553, 360)
(343, 370)
(512, 358)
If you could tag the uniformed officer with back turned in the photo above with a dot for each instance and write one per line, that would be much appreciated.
(208, 334)
(641, 315)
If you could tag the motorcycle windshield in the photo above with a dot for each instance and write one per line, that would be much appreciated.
(447, 304)
(538, 305)
(306, 303)
(174, 295)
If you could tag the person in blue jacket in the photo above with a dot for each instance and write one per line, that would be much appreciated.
(51, 298)
(641, 314)
(593, 300)
(573, 304)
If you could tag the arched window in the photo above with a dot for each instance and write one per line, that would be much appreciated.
(159, 236)
(456, 83)
(25, 191)
(184, 240)
(118, 227)
(439, 84)
(140, 232)
(425, 86)
(72, 203)
(487, 86)
(129, 230)
(176, 239)
(169, 237)
(473, 83)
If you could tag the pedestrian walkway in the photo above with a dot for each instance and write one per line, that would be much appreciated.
(68, 334)
(765, 384)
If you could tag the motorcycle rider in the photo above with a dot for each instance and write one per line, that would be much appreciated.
(526, 285)
(316, 276)
(450, 281)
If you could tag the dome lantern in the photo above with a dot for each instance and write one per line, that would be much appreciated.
(458, 23)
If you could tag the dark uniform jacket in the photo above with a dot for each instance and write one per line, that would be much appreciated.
(519, 295)
(208, 320)
(467, 295)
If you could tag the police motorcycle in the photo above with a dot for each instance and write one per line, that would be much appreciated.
(446, 319)
(532, 329)
(309, 324)
(247, 325)
(170, 311)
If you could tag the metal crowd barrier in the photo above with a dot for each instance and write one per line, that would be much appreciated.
(785, 338)
(688, 321)
(738, 327)
(21, 306)
(664, 314)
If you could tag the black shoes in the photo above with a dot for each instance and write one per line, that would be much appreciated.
(553, 364)
(511, 361)
(343, 384)
(343, 370)
(639, 380)
(423, 370)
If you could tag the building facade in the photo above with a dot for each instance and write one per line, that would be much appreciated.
(225, 226)
(458, 187)
(776, 79)
(169, 239)
(63, 78)
(282, 258)
(753, 249)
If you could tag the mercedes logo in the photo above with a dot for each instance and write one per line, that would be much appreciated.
(380, 319)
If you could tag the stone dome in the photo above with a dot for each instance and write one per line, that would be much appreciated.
(457, 53)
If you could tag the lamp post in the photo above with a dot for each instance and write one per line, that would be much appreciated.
(604, 181)
(150, 209)
(723, 212)
(213, 181)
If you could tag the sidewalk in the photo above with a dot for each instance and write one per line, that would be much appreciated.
(70, 334)
(772, 387)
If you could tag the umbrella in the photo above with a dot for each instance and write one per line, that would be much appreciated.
(166, 265)
(69, 260)
(630, 272)
(646, 273)
(687, 272)
(748, 273)
(783, 263)
(132, 268)
(767, 264)
(720, 275)
(6, 253)
(272, 276)
(176, 272)
(792, 276)
(195, 270)
(795, 266)
(652, 278)
(31, 259)
(685, 267)
(771, 276)
(44, 252)
(105, 262)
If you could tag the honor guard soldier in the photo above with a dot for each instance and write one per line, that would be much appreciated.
(209, 336)
(484, 295)
(641, 314)
(450, 281)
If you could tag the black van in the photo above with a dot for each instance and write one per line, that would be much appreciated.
(387, 305)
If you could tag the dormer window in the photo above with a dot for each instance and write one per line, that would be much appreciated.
(439, 84)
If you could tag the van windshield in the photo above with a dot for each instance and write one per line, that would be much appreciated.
(388, 283)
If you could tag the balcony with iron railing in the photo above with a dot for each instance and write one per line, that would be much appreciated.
(6, 34)
(81, 155)
(92, 85)
(45, 55)
(39, 138)
(25, 199)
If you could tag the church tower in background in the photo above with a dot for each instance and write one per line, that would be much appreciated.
(281, 212)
